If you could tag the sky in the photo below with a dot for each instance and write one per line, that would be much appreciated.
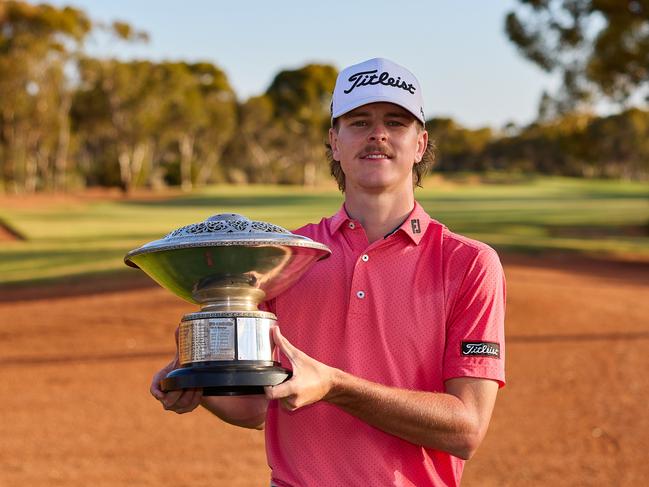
(458, 50)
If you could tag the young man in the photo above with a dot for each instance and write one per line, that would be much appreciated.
(396, 341)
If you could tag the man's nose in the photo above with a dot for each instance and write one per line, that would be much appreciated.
(378, 133)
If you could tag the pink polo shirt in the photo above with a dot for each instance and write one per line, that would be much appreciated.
(412, 310)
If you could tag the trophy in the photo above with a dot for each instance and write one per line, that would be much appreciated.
(228, 265)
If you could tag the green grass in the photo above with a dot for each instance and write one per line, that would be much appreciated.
(531, 215)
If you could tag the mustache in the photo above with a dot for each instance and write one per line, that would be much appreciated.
(371, 148)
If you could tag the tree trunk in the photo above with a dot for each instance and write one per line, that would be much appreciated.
(9, 156)
(30, 174)
(155, 180)
(61, 158)
(186, 156)
(137, 162)
(310, 166)
(125, 175)
(20, 161)
(206, 169)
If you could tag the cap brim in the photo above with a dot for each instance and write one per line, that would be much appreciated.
(374, 99)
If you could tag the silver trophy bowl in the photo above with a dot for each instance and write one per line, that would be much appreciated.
(228, 265)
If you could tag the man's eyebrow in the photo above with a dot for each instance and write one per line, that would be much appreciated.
(398, 115)
(358, 114)
(389, 114)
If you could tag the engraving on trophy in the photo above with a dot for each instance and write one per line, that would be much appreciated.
(185, 344)
(221, 345)
(200, 349)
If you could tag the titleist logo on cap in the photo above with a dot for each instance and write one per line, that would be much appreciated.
(364, 78)
(377, 80)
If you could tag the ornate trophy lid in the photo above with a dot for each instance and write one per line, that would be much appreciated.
(225, 229)
(224, 250)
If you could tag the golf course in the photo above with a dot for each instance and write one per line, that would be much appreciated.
(82, 334)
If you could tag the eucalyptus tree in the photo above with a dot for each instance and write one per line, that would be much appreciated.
(301, 100)
(117, 105)
(199, 117)
(600, 48)
(37, 45)
(256, 152)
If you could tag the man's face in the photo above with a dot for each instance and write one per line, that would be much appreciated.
(377, 145)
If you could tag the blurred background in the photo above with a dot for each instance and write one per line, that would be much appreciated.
(120, 121)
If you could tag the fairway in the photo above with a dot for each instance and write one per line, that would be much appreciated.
(73, 236)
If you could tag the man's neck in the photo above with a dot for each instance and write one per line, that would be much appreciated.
(379, 213)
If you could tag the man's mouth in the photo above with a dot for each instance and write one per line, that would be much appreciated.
(375, 155)
(375, 152)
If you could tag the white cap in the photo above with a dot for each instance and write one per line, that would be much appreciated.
(377, 80)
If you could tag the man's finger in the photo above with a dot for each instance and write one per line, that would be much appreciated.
(285, 346)
(171, 398)
(185, 399)
(189, 401)
(155, 391)
(279, 391)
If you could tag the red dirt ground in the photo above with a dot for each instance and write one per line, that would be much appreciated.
(76, 361)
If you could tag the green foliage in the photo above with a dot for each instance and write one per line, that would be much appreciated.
(154, 115)
(615, 146)
(37, 43)
(600, 47)
(457, 147)
(301, 101)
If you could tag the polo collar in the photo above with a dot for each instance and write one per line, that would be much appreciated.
(414, 226)
(338, 219)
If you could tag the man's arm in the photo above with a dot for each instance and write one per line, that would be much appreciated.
(244, 411)
(455, 421)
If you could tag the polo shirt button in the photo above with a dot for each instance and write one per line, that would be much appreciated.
(365, 258)
(352, 225)
(360, 294)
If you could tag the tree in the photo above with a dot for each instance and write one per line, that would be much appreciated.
(132, 114)
(212, 120)
(255, 152)
(37, 44)
(619, 145)
(599, 47)
(119, 102)
(457, 147)
(301, 101)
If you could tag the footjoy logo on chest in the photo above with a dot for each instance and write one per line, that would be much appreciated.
(481, 349)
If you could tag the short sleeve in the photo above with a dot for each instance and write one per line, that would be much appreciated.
(475, 328)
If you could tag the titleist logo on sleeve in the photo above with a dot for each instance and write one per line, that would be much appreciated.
(364, 78)
(481, 349)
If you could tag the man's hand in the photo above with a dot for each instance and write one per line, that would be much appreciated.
(244, 411)
(311, 380)
(180, 401)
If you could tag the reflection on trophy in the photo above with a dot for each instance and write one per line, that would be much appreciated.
(229, 265)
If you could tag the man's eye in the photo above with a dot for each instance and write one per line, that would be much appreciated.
(395, 123)
(359, 123)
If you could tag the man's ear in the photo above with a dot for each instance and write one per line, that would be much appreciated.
(333, 142)
(422, 143)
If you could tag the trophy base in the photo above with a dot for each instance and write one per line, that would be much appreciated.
(225, 380)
